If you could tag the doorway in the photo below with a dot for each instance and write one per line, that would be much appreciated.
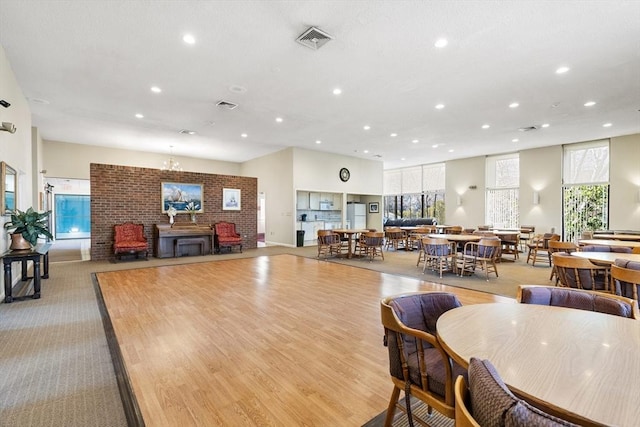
(261, 219)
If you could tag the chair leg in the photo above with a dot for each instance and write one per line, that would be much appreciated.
(391, 409)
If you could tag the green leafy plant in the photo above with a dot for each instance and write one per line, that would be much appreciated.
(30, 224)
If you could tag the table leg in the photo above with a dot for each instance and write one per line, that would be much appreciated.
(7, 282)
(24, 270)
(45, 273)
(36, 278)
(349, 253)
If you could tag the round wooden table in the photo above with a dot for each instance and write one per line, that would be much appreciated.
(581, 364)
(606, 257)
(605, 242)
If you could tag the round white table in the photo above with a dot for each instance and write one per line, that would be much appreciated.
(582, 365)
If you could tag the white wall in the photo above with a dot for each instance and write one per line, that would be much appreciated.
(541, 170)
(624, 177)
(56, 161)
(275, 180)
(459, 176)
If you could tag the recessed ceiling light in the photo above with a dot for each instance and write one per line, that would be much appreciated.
(403, 159)
(237, 89)
(545, 125)
(451, 150)
(140, 116)
(486, 126)
(279, 119)
(562, 70)
(244, 135)
(440, 106)
(337, 91)
(366, 127)
(515, 140)
(365, 151)
(188, 39)
(393, 135)
(441, 43)
(318, 141)
(415, 141)
(607, 125)
(155, 89)
(435, 146)
(590, 103)
(514, 105)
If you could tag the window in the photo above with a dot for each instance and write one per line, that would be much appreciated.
(72, 216)
(585, 191)
(503, 191)
(415, 192)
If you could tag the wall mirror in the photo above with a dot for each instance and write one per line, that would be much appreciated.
(8, 189)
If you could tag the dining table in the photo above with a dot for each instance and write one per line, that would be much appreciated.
(607, 258)
(350, 234)
(609, 242)
(577, 364)
(621, 236)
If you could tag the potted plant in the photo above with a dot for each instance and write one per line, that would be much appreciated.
(26, 227)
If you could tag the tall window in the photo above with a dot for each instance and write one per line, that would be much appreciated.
(585, 192)
(503, 190)
(415, 192)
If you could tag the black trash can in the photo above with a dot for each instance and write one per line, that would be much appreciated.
(300, 238)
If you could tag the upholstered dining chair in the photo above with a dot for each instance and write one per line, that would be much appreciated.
(463, 404)
(328, 243)
(438, 255)
(418, 364)
(602, 302)
(483, 254)
(626, 281)
(526, 232)
(395, 238)
(372, 243)
(580, 273)
(558, 246)
(539, 245)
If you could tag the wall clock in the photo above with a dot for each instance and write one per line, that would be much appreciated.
(344, 174)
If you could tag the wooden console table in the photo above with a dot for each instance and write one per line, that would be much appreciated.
(41, 250)
(169, 239)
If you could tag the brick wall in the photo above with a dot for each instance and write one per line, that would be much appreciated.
(122, 193)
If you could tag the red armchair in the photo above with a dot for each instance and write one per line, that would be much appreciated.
(129, 239)
(226, 236)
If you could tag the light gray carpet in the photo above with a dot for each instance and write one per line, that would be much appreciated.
(57, 370)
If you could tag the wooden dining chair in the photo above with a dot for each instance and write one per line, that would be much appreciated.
(580, 273)
(438, 255)
(539, 245)
(558, 246)
(481, 254)
(328, 243)
(418, 364)
(463, 404)
(395, 238)
(372, 243)
(625, 281)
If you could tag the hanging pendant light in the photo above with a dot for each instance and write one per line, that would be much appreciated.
(171, 165)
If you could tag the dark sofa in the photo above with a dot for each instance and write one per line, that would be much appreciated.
(409, 222)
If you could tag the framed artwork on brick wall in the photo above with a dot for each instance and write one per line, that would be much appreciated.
(184, 198)
(230, 199)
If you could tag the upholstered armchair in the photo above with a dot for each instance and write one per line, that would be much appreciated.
(418, 364)
(226, 236)
(129, 239)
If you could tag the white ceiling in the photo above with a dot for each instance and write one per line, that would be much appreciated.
(86, 68)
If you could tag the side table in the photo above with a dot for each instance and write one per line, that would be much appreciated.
(34, 254)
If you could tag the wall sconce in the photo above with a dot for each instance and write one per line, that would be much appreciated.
(459, 200)
(9, 127)
(536, 198)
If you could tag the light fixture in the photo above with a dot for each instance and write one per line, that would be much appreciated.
(439, 106)
(536, 198)
(440, 43)
(514, 105)
(562, 70)
(486, 126)
(459, 200)
(8, 127)
(171, 165)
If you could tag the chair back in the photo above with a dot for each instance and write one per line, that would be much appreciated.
(463, 405)
(129, 232)
(226, 229)
(328, 237)
(456, 229)
(489, 248)
(417, 361)
(626, 281)
(558, 246)
(579, 299)
(436, 246)
(580, 273)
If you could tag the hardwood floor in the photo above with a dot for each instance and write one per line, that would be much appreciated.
(280, 340)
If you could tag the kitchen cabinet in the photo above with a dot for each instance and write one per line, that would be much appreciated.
(302, 201)
(314, 201)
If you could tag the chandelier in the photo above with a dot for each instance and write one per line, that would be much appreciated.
(171, 165)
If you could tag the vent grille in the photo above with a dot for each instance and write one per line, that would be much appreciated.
(313, 38)
(227, 105)
(527, 128)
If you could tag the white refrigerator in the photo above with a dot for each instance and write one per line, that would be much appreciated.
(357, 215)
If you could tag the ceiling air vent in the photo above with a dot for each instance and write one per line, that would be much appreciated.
(527, 128)
(227, 105)
(313, 38)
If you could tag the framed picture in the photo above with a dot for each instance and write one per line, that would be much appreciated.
(374, 207)
(184, 198)
(230, 199)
